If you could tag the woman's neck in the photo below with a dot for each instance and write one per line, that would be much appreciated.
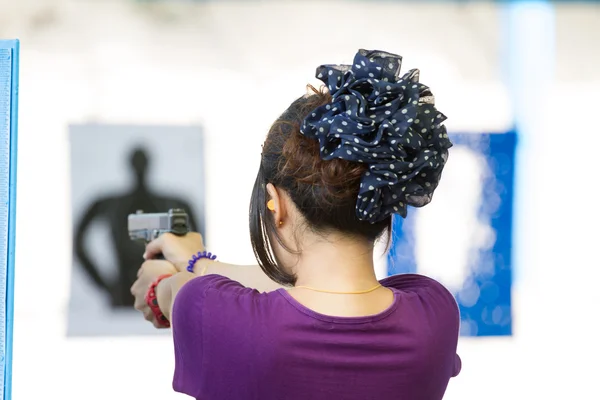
(337, 264)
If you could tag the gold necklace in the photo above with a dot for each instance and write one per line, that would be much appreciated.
(332, 292)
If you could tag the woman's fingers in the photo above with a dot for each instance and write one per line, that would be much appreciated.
(148, 315)
(155, 247)
(140, 302)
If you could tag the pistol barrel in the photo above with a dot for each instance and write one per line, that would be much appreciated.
(147, 227)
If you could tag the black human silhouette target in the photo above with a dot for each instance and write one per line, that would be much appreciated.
(115, 209)
(116, 171)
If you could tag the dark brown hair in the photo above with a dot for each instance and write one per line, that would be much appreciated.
(325, 192)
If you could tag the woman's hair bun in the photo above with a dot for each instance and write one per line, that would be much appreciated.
(387, 122)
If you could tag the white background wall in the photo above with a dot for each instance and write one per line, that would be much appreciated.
(233, 67)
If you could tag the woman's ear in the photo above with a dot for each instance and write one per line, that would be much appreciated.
(276, 205)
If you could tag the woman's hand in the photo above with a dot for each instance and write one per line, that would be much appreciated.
(176, 249)
(148, 272)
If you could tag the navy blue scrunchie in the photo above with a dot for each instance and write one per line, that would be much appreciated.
(387, 122)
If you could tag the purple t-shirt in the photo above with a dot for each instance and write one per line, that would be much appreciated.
(234, 343)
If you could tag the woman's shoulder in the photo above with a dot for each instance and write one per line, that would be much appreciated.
(203, 286)
(213, 298)
(409, 281)
(428, 289)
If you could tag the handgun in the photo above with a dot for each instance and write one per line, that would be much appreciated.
(147, 227)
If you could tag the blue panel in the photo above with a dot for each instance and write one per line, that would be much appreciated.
(9, 67)
(484, 297)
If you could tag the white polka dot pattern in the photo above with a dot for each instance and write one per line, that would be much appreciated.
(389, 123)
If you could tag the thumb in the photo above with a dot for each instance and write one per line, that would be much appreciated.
(154, 248)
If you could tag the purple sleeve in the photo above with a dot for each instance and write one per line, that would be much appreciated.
(187, 325)
(439, 303)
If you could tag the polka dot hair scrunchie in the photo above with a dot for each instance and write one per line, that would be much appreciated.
(386, 122)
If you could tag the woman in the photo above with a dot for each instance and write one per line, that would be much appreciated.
(312, 321)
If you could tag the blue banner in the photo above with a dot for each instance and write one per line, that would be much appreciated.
(464, 237)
